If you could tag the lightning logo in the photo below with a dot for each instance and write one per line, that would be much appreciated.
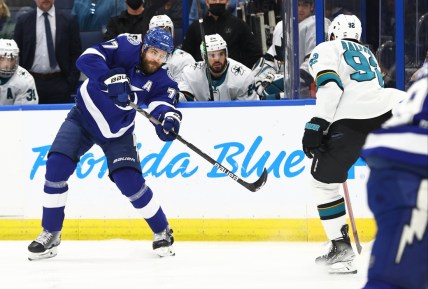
(418, 221)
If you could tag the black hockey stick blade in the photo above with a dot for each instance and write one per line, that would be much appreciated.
(253, 187)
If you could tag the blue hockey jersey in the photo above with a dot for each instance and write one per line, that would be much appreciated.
(158, 91)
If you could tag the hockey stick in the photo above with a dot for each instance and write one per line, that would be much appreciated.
(205, 54)
(351, 217)
(250, 186)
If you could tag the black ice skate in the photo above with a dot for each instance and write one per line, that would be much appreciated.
(45, 246)
(341, 257)
(162, 243)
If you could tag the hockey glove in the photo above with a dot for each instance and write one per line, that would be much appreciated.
(261, 85)
(118, 86)
(312, 138)
(170, 126)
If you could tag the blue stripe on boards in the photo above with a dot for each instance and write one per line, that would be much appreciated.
(191, 104)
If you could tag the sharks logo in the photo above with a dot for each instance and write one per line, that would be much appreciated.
(238, 70)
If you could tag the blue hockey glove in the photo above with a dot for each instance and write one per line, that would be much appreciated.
(314, 132)
(118, 86)
(170, 122)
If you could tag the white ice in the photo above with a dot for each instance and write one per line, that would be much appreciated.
(124, 264)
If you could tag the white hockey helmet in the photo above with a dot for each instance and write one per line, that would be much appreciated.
(345, 26)
(214, 42)
(162, 21)
(9, 57)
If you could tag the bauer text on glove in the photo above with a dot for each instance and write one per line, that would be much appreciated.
(314, 132)
(118, 86)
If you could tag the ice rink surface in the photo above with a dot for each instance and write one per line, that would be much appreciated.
(126, 264)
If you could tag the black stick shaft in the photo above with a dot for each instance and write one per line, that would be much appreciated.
(250, 186)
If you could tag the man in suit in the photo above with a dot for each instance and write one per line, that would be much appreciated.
(49, 44)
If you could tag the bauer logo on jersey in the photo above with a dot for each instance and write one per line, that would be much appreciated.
(124, 159)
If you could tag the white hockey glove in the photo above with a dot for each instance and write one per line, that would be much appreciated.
(261, 85)
(263, 71)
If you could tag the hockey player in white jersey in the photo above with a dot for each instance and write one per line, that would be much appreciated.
(231, 80)
(269, 70)
(17, 85)
(351, 102)
(179, 58)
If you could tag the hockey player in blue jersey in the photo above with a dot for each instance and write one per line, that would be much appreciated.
(397, 189)
(123, 69)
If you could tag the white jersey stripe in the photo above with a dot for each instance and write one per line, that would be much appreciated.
(98, 116)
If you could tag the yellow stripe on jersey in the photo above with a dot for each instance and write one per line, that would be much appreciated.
(326, 76)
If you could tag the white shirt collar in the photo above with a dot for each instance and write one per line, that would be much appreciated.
(51, 11)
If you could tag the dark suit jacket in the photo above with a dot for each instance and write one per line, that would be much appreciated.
(67, 43)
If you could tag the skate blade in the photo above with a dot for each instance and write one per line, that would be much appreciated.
(342, 268)
(50, 253)
(165, 251)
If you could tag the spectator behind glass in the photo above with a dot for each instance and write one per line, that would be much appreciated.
(174, 10)
(16, 83)
(7, 23)
(193, 15)
(4, 14)
(334, 8)
(93, 15)
(134, 19)
(241, 42)
(56, 76)
(230, 80)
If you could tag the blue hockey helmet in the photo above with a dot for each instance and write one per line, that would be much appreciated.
(158, 38)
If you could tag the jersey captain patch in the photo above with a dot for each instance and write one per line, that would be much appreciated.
(148, 85)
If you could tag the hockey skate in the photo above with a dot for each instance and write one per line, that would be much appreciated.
(162, 243)
(45, 246)
(340, 258)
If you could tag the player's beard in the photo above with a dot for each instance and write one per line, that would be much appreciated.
(217, 68)
(147, 66)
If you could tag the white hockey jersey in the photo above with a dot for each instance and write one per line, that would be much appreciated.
(19, 89)
(349, 83)
(277, 43)
(176, 63)
(237, 82)
(307, 40)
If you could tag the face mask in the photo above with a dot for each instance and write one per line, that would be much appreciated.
(134, 4)
(217, 9)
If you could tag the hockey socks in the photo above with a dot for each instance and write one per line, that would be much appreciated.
(58, 169)
(131, 183)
